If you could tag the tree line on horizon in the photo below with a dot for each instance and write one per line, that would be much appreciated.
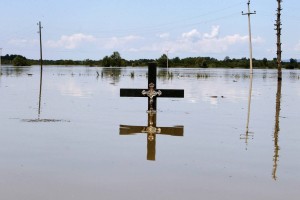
(115, 60)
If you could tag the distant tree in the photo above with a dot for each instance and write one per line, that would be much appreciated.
(293, 64)
(227, 59)
(204, 64)
(116, 60)
(272, 63)
(265, 62)
(106, 62)
(89, 62)
(176, 61)
(201, 62)
(20, 61)
(162, 61)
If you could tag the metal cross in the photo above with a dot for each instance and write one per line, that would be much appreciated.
(152, 93)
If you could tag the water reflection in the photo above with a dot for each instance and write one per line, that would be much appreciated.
(15, 70)
(165, 74)
(201, 167)
(113, 73)
(248, 134)
(39, 119)
(151, 130)
(39, 101)
(40, 91)
(276, 131)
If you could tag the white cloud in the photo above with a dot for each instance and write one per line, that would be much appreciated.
(164, 35)
(193, 35)
(118, 42)
(193, 41)
(22, 42)
(70, 88)
(214, 33)
(71, 41)
(196, 42)
(75, 40)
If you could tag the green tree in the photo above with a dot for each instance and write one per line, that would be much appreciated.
(265, 62)
(176, 61)
(20, 61)
(201, 62)
(227, 59)
(89, 62)
(116, 59)
(106, 62)
(162, 61)
(293, 64)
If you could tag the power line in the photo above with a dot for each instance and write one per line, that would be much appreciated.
(174, 24)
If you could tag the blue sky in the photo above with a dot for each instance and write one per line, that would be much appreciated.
(92, 29)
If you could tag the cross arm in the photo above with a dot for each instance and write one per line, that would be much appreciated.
(130, 130)
(131, 92)
(172, 93)
(172, 131)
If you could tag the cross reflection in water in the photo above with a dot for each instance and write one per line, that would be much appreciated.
(151, 130)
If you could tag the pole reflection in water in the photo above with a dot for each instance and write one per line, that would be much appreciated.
(276, 131)
(41, 64)
(151, 130)
(39, 119)
(248, 133)
(40, 93)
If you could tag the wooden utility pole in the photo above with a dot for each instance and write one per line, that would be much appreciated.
(250, 37)
(278, 29)
(278, 95)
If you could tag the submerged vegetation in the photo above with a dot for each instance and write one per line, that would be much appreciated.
(115, 60)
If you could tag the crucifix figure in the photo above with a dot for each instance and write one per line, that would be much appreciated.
(151, 130)
(152, 93)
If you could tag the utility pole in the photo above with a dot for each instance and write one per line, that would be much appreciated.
(278, 94)
(278, 29)
(41, 50)
(41, 63)
(250, 37)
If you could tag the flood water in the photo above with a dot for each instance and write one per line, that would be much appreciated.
(63, 140)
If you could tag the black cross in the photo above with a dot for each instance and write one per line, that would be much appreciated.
(152, 93)
(151, 130)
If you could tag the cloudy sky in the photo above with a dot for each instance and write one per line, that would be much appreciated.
(92, 29)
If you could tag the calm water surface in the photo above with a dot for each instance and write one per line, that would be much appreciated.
(65, 144)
